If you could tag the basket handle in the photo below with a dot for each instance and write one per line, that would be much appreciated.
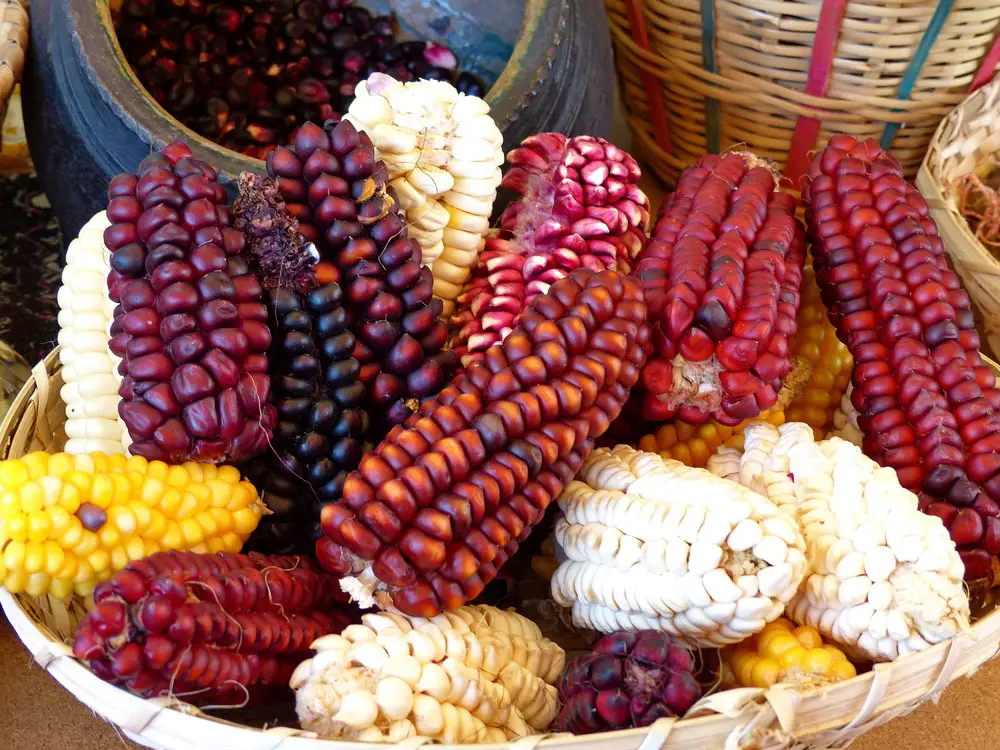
(831, 16)
(986, 68)
(657, 111)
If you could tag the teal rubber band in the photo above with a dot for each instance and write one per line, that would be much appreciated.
(913, 69)
(713, 110)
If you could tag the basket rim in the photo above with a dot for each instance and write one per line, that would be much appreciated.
(171, 724)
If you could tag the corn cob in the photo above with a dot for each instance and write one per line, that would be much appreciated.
(214, 628)
(721, 276)
(885, 578)
(337, 191)
(478, 674)
(190, 325)
(782, 652)
(928, 405)
(68, 522)
(443, 152)
(630, 680)
(483, 460)
(579, 206)
(654, 544)
(89, 367)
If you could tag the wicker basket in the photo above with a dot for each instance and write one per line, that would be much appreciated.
(967, 140)
(768, 720)
(782, 77)
(13, 43)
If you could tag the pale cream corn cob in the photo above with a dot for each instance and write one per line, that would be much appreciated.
(476, 674)
(89, 368)
(443, 152)
(845, 420)
(885, 578)
(652, 543)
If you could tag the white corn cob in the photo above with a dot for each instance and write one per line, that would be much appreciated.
(477, 674)
(89, 368)
(885, 578)
(652, 543)
(845, 420)
(443, 152)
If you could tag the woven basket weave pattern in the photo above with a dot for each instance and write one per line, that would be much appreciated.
(781, 718)
(762, 52)
(967, 140)
(13, 42)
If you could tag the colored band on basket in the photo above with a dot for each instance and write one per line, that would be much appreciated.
(713, 111)
(989, 64)
(913, 69)
(654, 90)
(831, 16)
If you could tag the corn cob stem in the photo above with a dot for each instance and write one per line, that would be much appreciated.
(927, 403)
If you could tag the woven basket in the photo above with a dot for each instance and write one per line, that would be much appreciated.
(783, 76)
(13, 43)
(967, 140)
(781, 717)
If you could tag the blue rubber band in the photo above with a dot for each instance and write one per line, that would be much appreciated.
(713, 110)
(913, 70)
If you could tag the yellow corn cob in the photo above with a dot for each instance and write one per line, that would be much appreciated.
(68, 522)
(782, 652)
(811, 392)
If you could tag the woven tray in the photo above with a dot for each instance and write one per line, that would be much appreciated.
(13, 43)
(781, 717)
(782, 77)
(967, 139)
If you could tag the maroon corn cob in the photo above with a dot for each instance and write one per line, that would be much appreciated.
(927, 403)
(334, 187)
(444, 500)
(190, 327)
(579, 207)
(721, 276)
(186, 623)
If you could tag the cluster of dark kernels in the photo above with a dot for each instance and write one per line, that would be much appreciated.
(247, 76)
(182, 621)
(926, 403)
(334, 187)
(722, 273)
(190, 327)
(631, 680)
(322, 419)
(443, 500)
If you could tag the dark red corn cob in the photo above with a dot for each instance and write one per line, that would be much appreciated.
(321, 403)
(444, 500)
(334, 187)
(190, 327)
(928, 404)
(202, 625)
(721, 276)
(630, 680)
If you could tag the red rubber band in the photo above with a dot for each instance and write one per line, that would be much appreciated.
(657, 111)
(831, 16)
(988, 66)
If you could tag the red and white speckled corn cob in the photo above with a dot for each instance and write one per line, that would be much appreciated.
(579, 207)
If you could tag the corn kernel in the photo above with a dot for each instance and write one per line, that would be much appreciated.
(13, 555)
(648, 443)
(55, 558)
(100, 462)
(817, 661)
(16, 527)
(200, 549)
(808, 637)
(700, 452)
(60, 521)
(157, 470)
(37, 463)
(119, 558)
(39, 526)
(682, 453)
(779, 644)
(16, 581)
(135, 549)
(70, 565)
(138, 464)
(143, 516)
(34, 557)
(84, 571)
(792, 657)
(121, 518)
(108, 535)
(176, 477)
(100, 560)
(191, 532)
(87, 544)
(85, 589)
(203, 494)
(835, 652)
(157, 524)
(208, 525)
(195, 471)
(9, 502)
(102, 492)
(232, 541)
(242, 496)
(188, 506)
(229, 474)
(73, 534)
(123, 488)
(84, 462)
(61, 464)
(215, 544)
(666, 437)
(83, 482)
(153, 492)
(172, 537)
(765, 673)
(223, 519)
(32, 496)
(745, 674)
(117, 463)
(841, 669)
(169, 500)
(61, 588)
(13, 473)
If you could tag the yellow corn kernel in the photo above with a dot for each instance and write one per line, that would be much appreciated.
(32, 496)
(232, 541)
(170, 500)
(188, 506)
(841, 669)
(16, 527)
(745, 674)
(157, 470)
(195, 471)
(102, 492)
(208, 525)
(84, 462)
(203, 495)
(648, 443)
(245, 521)
(85, 589)
(157, 524)
(808, 637)
(221, 491)
(216, 544)
(779, 644)
(108, 536)
(817, 661)
(154, 492)
(55, 558)
(37, 463)
(792, 658)
(200, 549)
(681, 453)
(736, 441)
(38, 584)
(13, 555)
(138, 464)
(765, 673)
(781, 622)
(59, 520)
(123, 488)
(9, 502)
(223, 519)
(135, 549)
(100, 560)
(73, 535)
(52, 487)
(39, 526)
(177, 477)
(84, 571)
(666, 437)
(172, 537)
(61, 588)
(229, 474)
(122, 519)
(143, 515)
(34, 557)
(243, 495)
(13, 473)
(68, 571)
(83, 482)
(835, 652)
(685, 431)
(192, 532)
(16, 581)
(119, 558)
(150, 547)
(117, 463)
(700, 452)
(61, 464)
(87, 544)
